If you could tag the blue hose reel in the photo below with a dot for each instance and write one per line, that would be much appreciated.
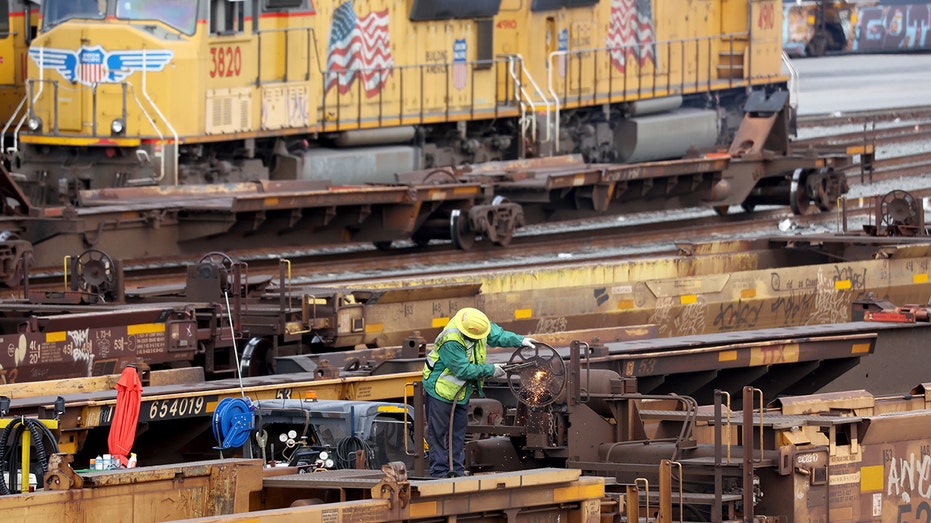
(233, 421)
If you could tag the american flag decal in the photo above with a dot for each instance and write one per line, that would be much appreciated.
(460, 63)
(630, 33)
(358, 47)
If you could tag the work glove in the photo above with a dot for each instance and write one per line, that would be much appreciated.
(529, 343)
(499, 370)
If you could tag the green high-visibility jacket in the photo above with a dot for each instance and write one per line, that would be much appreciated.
(457, 362)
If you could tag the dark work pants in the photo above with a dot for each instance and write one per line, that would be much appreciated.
(438, 436)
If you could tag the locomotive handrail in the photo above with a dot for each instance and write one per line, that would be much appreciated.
(151, 121)
(174, 133)
(6, 126)
(793, 81)
(550, 66)
(35, 98)
(29, 88)
(404, 117)
(519, 88)
(695, 82)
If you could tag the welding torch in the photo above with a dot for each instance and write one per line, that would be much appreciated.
(518, 366)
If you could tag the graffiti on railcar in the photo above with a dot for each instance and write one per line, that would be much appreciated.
(904, 485)
(892, 27)
(832, 301)
(92, 351)
(552, 325)
(849, 278)
(691, 320)
(737, 316)
(867, 26)
(791, 308)
(662, 315)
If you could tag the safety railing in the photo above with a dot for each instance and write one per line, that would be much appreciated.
(612, 74)
(793, 80)
(426, 93)
(310, 44)
(532, 98)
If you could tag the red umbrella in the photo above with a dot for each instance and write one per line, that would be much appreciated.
(125, 415)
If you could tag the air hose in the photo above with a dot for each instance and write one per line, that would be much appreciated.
(10, 453)
(233, 421)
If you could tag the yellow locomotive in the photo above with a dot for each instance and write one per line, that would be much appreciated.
(135, 92)
(17, 27)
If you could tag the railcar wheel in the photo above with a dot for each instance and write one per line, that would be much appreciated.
(256, 358)
(831, 186)
(383, 246)
(748, 207)
(799, 199)
(504, 239)
(462, 237)
(721, 210)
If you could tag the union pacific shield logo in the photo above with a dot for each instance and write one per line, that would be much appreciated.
(460, 63)
(91, 65)
(91, 69)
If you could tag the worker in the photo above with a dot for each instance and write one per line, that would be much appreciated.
(454, 369)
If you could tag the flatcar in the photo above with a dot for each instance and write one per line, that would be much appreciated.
(813, 28)
(838, 457)
(134, 92)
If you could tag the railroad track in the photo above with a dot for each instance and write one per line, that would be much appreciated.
(864, 117)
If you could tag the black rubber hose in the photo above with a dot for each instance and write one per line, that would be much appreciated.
(9, 455)
(6, 462)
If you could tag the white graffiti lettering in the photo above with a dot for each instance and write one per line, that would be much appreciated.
(79, 337)
(83, 350)
(913, 474)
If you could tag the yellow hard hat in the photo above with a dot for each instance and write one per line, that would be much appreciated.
(472, 323)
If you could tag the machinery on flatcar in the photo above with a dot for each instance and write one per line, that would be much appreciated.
(816, 27)
(840, 457)
(136, 93)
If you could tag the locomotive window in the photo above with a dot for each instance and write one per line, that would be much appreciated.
(4, 18)
(484, 48)
(447, 9)
(177, 14)
(227, 16)
(282, 4)
(55, 12)
(549, 5)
